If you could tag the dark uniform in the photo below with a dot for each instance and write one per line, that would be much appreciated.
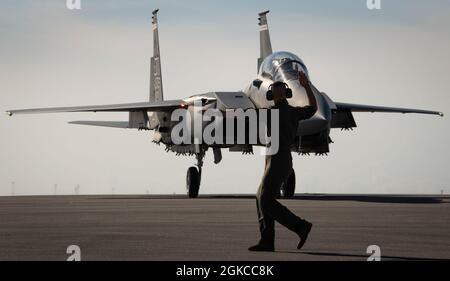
(277, 170)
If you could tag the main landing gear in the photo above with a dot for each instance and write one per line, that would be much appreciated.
(287, 189)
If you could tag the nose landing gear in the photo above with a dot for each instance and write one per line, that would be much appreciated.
(194, 175)
(192, 182)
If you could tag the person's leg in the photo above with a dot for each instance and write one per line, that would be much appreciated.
(269, 209)
(281, 214)
(269, 203)
(266, 222)
(274, 209)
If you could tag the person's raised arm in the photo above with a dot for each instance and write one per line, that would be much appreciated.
(304, 81)
(310, 110)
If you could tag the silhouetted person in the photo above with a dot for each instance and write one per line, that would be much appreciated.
(278, 169)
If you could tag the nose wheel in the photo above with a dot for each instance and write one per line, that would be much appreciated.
(194, 175)
(192, 182)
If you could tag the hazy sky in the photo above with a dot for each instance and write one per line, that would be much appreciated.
(51, 56)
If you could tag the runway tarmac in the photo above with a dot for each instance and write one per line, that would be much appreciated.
(220, 227)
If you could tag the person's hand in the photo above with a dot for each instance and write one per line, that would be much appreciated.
(303, 79)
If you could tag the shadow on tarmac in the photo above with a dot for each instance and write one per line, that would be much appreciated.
(364, 257)
(397, 199)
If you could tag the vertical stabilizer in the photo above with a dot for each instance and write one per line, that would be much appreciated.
(265, 46)
(156, 88)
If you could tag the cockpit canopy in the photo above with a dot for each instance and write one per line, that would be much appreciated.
(282, 66)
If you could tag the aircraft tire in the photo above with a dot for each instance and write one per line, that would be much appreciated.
(287, 189)
(192, 182)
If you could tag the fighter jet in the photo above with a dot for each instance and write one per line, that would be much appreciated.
(313, 135)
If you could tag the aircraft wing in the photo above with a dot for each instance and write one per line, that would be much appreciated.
(343, 117)
(111, 124)
(168, 105)
(372, 108)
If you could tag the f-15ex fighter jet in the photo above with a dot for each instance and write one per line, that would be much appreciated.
(313, 134)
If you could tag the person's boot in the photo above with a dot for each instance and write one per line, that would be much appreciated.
(303, 233)
(262, 247)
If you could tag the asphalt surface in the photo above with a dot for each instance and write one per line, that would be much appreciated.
(220, 227)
